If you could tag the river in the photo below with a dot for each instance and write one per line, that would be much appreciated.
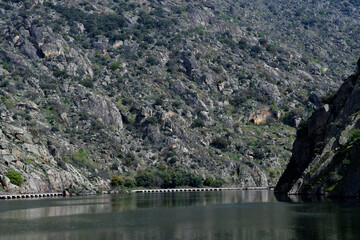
(225, 215)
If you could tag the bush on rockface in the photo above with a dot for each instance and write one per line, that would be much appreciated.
(117, 181)
(130, 182)
(354, 135)
(80, 156)
(198, 123)
(208, 182)
(220, 143)
(15, 177)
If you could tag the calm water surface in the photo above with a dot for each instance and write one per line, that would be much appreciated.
(193, 215)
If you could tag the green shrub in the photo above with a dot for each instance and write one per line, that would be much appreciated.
(115, 166)
(95, 24)
(263, 42)
(238, 100)
(130, 159)
(130, 182)
(80, 156)
(115, 65)
(255, 51)
(152, 61)
(208, 182)
(220, 143)
(242, 44)
(89, 83)
(217, 183)
(117, 181)
(151, 120)
(145, 178)
(169, 178)
(198, 123)
(355, 135)
(314, 60)
(159, 101)
(270, 48)
(15, 177)
(173, 160)
(322, 70)
(5, 65)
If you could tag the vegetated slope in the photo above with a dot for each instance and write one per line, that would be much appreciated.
(325, 158)
(163, 93)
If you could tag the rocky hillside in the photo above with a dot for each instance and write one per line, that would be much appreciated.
(162, 93)
(325, 158)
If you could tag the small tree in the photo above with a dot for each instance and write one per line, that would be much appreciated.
(15, 177)
(5, 65)
(130, 182)
(117, 181)
(220, 143)
(255, 51)
(208, 182)
(115, 65)
(198, 123)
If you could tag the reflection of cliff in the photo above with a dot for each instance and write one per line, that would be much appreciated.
(263, 116)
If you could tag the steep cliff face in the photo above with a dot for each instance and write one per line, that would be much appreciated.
(325, 157)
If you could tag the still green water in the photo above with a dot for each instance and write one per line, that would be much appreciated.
(193, 215)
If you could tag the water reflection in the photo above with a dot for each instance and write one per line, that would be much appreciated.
(186, 215)
(300, 198)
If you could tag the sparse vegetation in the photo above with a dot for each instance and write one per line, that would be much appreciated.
(107, 88)
(15, 177)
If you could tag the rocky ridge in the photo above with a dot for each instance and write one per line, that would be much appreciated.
(155, 90)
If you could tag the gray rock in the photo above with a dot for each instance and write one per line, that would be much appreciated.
(178, 87)
(15, 60)
(27, 24)
(189, 62)
(269, 89)
(98, 106)
(314, 99)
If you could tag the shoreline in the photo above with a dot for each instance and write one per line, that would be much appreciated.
(198, 189)
(50, 195)
(30, 195)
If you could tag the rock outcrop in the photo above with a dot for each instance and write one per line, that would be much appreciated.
(264, 116)
(326, 153)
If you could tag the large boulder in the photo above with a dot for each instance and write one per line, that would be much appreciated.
(270, 90)
(189, 62)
